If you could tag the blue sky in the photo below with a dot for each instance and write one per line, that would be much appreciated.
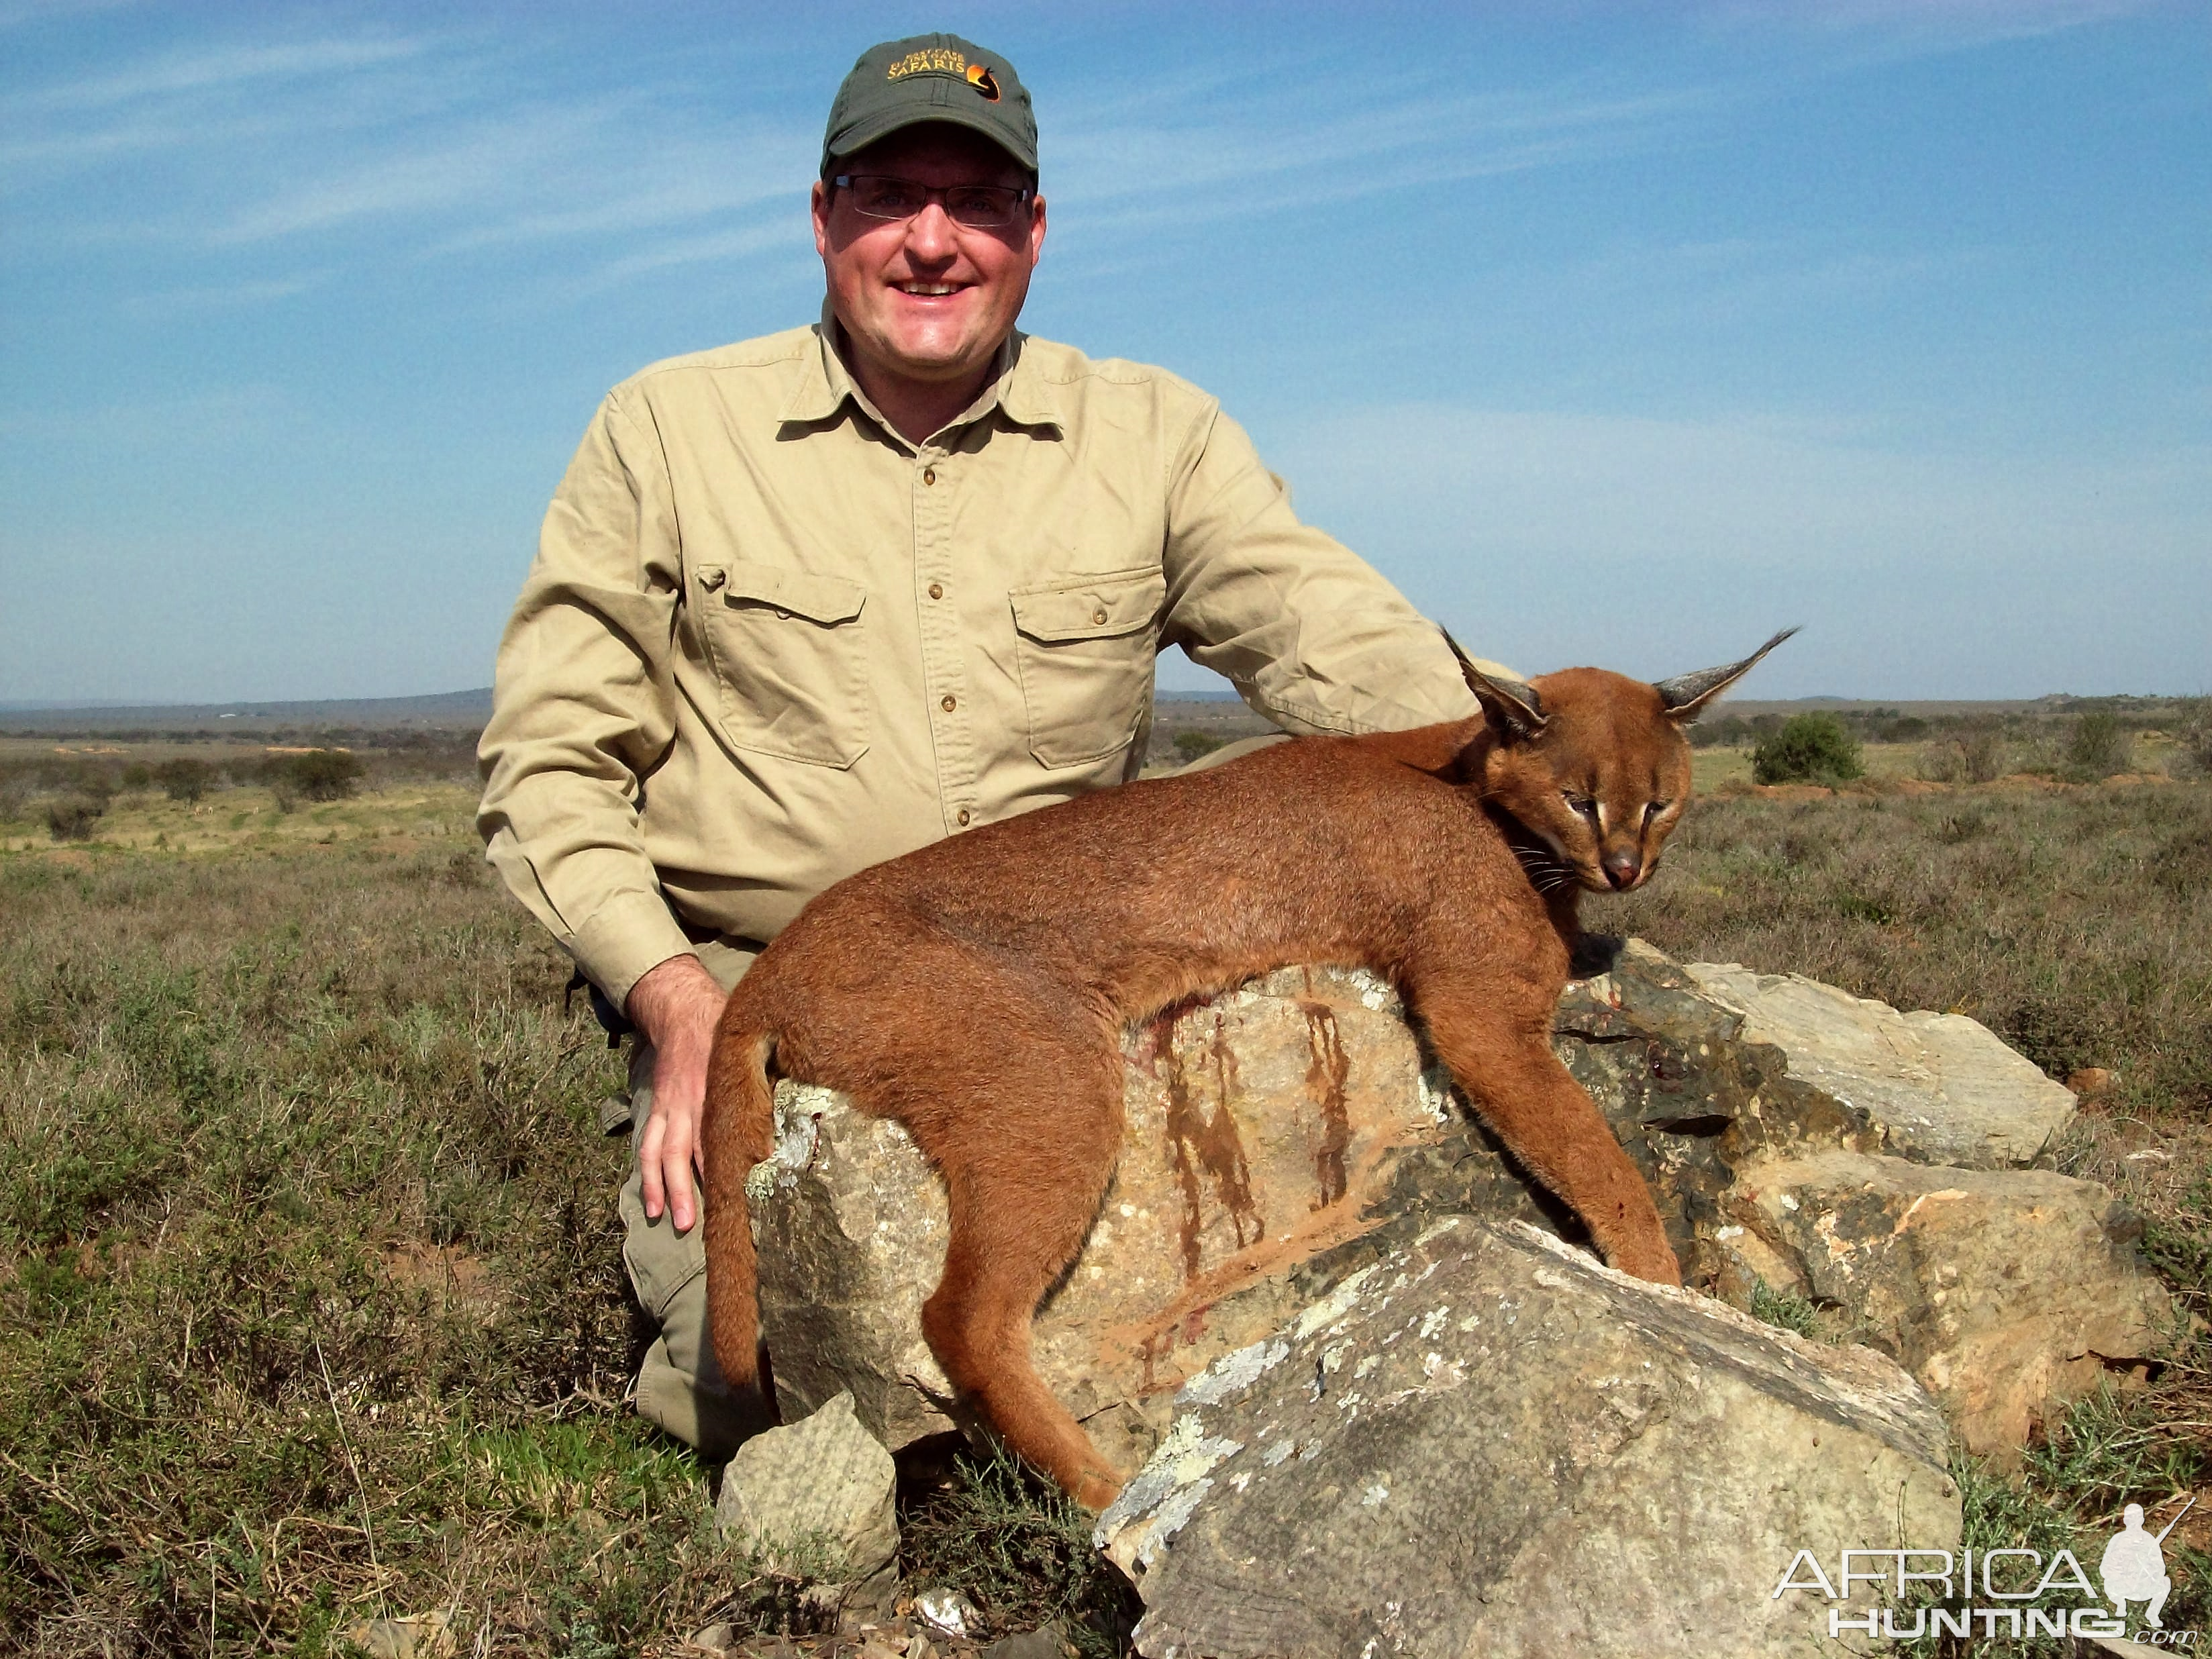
(1613, 334)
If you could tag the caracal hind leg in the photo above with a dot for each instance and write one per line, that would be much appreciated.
(1506, 1066)
(1026, 1150)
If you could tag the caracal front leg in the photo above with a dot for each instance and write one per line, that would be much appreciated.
(1502, 1062)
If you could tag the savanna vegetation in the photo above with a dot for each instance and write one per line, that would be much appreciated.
(311, 1303)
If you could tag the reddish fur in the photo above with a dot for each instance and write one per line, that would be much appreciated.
(976, 991)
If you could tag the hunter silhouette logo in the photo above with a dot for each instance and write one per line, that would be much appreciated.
(2133, 1567)
(981, 78)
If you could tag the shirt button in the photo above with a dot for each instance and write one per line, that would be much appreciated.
(948, 702)
(1099, 617)
(929, 474)
(960, 819)
(937, 590)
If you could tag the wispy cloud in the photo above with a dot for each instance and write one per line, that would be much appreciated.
(221, 296)
(24, 14)
(783, 235)
(1323, 135)
(377, 148)
(225, 70)
(1885, 30)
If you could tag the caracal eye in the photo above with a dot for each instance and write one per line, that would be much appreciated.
(1580, 803)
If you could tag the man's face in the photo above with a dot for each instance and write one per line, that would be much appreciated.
(924, 299)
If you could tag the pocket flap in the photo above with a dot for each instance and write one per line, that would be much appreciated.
(1090, 606)
(817, 598)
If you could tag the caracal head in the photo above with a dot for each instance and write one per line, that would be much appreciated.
(1594, 763)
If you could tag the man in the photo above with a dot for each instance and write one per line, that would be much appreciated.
(813, 600)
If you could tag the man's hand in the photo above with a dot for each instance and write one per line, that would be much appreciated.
(677, 1005)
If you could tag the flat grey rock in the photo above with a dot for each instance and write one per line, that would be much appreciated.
(1941, 1088)
(813, 1499)
(1487, 1444)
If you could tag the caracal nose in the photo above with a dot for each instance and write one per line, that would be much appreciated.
(1622, 869)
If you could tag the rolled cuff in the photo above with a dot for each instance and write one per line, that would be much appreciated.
(624, 939)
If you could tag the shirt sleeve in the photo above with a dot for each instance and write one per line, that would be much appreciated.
(1311, 636)
(583, 707)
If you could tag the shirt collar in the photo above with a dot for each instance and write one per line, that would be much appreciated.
(1017, 387)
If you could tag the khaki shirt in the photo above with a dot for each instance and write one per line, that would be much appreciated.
(767, 641)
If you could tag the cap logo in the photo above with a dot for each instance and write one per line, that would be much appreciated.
(942, 59)
(981, 78)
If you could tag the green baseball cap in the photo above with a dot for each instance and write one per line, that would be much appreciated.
(931, 77)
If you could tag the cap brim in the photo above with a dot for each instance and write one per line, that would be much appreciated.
(864, 133)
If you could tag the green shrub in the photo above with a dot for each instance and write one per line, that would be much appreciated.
(2096, 748)
(1189, 746)
(1808, 748)
(2196, 743)
(317, 775)
(1982, 751)
(71, 818)
(185, 779)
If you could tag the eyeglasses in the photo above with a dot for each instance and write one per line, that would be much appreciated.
(977, 207)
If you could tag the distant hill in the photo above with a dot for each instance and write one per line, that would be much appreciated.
(455, 709)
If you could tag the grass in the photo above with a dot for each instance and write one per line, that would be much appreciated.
(311, 1308)
(311, 1302)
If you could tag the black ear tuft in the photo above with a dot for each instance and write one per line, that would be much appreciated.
(1513, 711)
(1687, 695)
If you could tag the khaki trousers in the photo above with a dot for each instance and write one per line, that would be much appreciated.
(680, 1386)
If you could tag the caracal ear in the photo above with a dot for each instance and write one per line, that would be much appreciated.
(1687, 695)
(1514, 710)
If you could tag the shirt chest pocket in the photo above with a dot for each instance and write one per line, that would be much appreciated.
(1085, 644)
(790, 654)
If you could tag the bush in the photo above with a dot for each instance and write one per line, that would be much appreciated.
(1982, 751)
(1974, 754)
(1189, 746)
(71, 818)
(185, 779)
(1808, 748)
(317, 775)
(2197, 738)
(2096, 748)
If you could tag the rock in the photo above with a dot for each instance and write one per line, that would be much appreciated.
(1292, 1130)
(1046, 1642)
(1702, 1069)
(1940, 1088)
(2005, 1293)
(947, 1612)
(813, 1499)
(1485, 1442)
